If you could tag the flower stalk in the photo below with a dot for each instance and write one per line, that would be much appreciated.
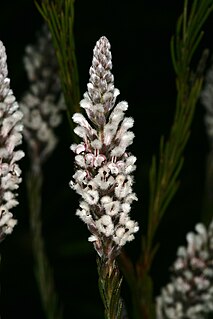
(43, 270)
(109, 282)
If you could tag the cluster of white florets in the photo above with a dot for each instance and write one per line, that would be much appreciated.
(103, 167)
(10, 136)
(190, 293)
(43, 103)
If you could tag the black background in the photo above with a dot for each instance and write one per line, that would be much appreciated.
(140, 33)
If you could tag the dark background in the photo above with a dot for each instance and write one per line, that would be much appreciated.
(140, 33)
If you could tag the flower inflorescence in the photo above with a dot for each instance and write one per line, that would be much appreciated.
(190, 292)
(103, 166)
(43, 103)
(10, 136)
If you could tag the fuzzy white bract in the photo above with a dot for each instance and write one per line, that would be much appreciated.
(43, 103)
(190, 292)
(103, 166)
(10, 136)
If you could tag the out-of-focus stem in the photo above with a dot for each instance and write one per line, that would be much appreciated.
(43, 271)
(208, 196)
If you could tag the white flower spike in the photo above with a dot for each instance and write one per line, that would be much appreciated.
(10, 136)
(103, 166)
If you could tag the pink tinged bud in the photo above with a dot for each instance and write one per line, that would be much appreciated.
(109, 132)
(17, 156)
(118, 151)
(80, 119)
(79, 159)
(96, 144)
(127, 139)
(79, 149)
(99, 160)
(127, 123)
(113, 168)
(120, 165)
(73, 147)
(79, 176)
(81, 132)
(89, 159)
(86, 104)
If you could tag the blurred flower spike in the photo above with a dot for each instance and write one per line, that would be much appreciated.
(190, 292)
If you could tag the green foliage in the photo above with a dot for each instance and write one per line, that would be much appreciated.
(164, 175)
(59, 15)
(165, 168)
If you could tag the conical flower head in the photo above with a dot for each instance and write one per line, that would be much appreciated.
(10, 136)
(103, 166)
(190, 292)
(101, 95)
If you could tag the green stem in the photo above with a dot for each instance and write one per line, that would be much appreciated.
(43, 271)
(109, 286)
(59, 17)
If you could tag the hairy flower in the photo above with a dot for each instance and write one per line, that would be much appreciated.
(43, 103)
(103, 166)
(10, 136)
(190, 292)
